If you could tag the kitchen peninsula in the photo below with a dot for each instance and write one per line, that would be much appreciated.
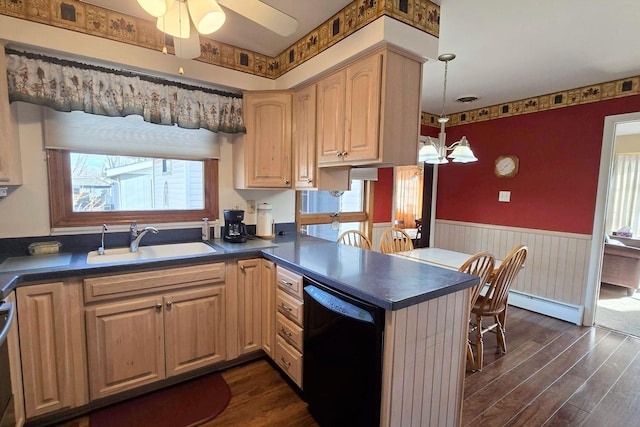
(425, 322)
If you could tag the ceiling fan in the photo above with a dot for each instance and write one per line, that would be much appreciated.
(185, 20)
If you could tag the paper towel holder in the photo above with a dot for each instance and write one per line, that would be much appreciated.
(264, 226)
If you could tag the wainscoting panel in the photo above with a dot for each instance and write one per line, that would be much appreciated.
(424, 362)
(556, 265)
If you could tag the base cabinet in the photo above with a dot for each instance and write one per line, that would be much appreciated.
(139, 340)
(288, 310)
(249, 305)
(52, 347)
(268, 304)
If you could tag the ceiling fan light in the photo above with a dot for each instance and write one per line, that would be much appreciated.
(176, 21)
(188, 48)
(207, 15)
(156, 8)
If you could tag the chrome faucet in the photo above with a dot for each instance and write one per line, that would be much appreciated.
(101, 248)
(136, 235)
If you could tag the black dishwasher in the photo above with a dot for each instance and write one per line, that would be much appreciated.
(342, 365)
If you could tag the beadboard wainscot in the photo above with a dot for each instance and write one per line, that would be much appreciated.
(554, 279)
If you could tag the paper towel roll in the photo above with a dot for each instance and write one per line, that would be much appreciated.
(264, 226)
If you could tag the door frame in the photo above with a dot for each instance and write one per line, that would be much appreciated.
(597, 236)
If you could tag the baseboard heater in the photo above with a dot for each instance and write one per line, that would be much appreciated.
(548, 307)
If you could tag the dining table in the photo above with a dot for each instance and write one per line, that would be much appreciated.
(446, 258)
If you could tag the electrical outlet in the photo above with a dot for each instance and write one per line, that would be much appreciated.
(504, 196)
(251, 206)
(3, 191)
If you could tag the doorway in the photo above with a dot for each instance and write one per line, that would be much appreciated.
(613, 125)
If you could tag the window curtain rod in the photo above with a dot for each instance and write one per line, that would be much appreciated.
(141, 76)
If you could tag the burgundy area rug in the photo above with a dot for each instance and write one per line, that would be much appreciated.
(188, 404)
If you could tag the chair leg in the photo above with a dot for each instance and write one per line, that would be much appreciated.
(500, 335)
(479, 343)
(470, 358)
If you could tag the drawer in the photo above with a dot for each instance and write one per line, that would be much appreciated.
(290, 360)
(289, 281)
(288, 330)
(117, 285)
(290, 306)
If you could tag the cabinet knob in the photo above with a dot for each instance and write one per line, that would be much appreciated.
(158, 306)
(169, 303)
(309, 180)
(344, 154)
(286, 307)
(285, 361)
(242, 268)
(286, 181)
(285, 283)
(339, 154)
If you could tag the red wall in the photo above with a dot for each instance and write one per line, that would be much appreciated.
(383, 196)
(555, 189)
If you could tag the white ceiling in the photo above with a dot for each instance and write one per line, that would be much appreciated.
(506, 50)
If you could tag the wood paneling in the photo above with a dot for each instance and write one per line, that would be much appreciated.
(424, 357)
(557, 263)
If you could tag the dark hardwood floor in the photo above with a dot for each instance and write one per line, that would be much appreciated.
(554, 373)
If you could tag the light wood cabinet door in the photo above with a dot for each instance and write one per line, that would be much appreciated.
(249, 306)
(125, 344)
(362, 109)
(268, 306)
(304, 138)
(330, 123)
(267, 144)
(10, 164)
(194, 327)
(52, 362)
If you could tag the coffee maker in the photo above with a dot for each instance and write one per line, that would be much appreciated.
(235, 231)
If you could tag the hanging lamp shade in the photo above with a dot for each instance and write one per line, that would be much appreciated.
(176, 21)
(207, 15)
(462, 152)
(156, 8)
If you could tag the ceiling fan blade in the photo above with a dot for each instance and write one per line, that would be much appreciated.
(264, 15)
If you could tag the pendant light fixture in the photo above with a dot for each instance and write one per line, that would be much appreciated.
(434, 151)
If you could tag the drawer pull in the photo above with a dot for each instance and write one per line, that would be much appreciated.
(284, 282)
(286, 307)
(284, 331)
(285, 361)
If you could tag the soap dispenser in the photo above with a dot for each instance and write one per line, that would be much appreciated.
(205, 229)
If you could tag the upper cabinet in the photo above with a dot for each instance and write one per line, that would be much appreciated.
(369, 112)
(10, 166)
(304, 138)
(263, 158)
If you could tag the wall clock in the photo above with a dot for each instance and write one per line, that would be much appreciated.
(506, 166)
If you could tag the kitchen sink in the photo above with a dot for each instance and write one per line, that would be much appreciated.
(120, 255)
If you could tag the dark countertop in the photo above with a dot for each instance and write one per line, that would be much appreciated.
(387, 281)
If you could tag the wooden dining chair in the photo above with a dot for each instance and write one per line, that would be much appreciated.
(395, 240)
(494, 303)
(480, 264)
(354, 238)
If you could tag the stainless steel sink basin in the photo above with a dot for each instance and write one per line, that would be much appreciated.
(119, 255)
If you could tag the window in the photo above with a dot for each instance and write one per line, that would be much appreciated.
(87, 189)
(408, 194)
(327, 214)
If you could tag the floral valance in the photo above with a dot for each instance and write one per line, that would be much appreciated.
(70, 86)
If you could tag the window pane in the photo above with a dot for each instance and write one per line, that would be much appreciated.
(125, 183)
(326, 231)
(325, 202)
